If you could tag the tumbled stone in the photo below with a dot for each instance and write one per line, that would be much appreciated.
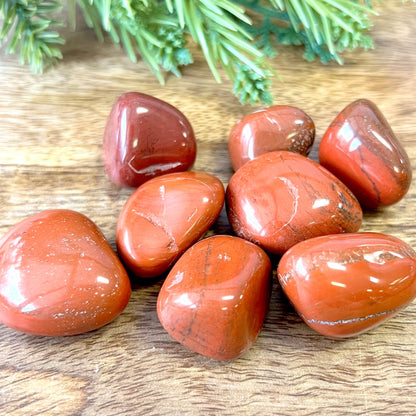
(59, 276)
(163, 217)
(280, 127)
(146, 137)
(281, 198)
(361, 149)
(342, 285)
(215, 298)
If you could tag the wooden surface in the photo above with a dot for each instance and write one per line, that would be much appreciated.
(50, 156)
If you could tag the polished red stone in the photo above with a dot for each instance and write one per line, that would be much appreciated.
(146, 137)
(361, 149)
(215, 298)
(280, 127)
(342, 285)
(281, 198)
(163, 217)
(59, 276)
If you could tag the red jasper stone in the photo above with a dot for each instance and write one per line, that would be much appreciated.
(59, 276)
(280, 127)
(361, 149)
(342, 285)
(281, 198)
(215, 298)
(146, 137)
(165, 216)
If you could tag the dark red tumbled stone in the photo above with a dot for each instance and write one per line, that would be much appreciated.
(146, 137)
(361, 149)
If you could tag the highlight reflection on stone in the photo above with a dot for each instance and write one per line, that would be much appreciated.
(343, 285)
(282, 198)
(215, 298)
(361, 149)
(163, 217)
(59, 276)
(280, 127)
(146, 137)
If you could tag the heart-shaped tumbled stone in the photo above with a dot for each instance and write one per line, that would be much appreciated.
(280, 127)
(165, 216)
(59, 276)
(361, 149)
(215, 298)
(146, 137)
(342, 285)
(281, 198)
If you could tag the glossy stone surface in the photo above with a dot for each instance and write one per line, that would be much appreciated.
(163, 217)
(59, 276)
(215, 298)
(280, 127)
(342, 285)
(146, 137)
(361, 149)
(282, 198)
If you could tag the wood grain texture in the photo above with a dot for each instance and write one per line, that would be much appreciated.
(50, 156)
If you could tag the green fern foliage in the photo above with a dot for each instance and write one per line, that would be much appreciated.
(324, 27)
(236, 37)
(29, 29)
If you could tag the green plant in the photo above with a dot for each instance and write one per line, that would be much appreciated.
(159, 32)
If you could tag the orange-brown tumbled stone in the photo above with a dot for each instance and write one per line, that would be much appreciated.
(282, 198)
(163, 217)
(343, 285)
(280, 127)
(215, 298)
(59, 275)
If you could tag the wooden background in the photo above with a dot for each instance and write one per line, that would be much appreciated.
(50, 156)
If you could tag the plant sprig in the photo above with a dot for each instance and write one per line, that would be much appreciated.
(324, 27)
(217, 26)
(28, 27)
(159, 31)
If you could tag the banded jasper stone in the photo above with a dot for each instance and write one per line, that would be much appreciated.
(361, 149)
(343, 285)
(59, 276)
(281, 198)
(165, 216)
(146, 137)
(280, 127)
(215, 298)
